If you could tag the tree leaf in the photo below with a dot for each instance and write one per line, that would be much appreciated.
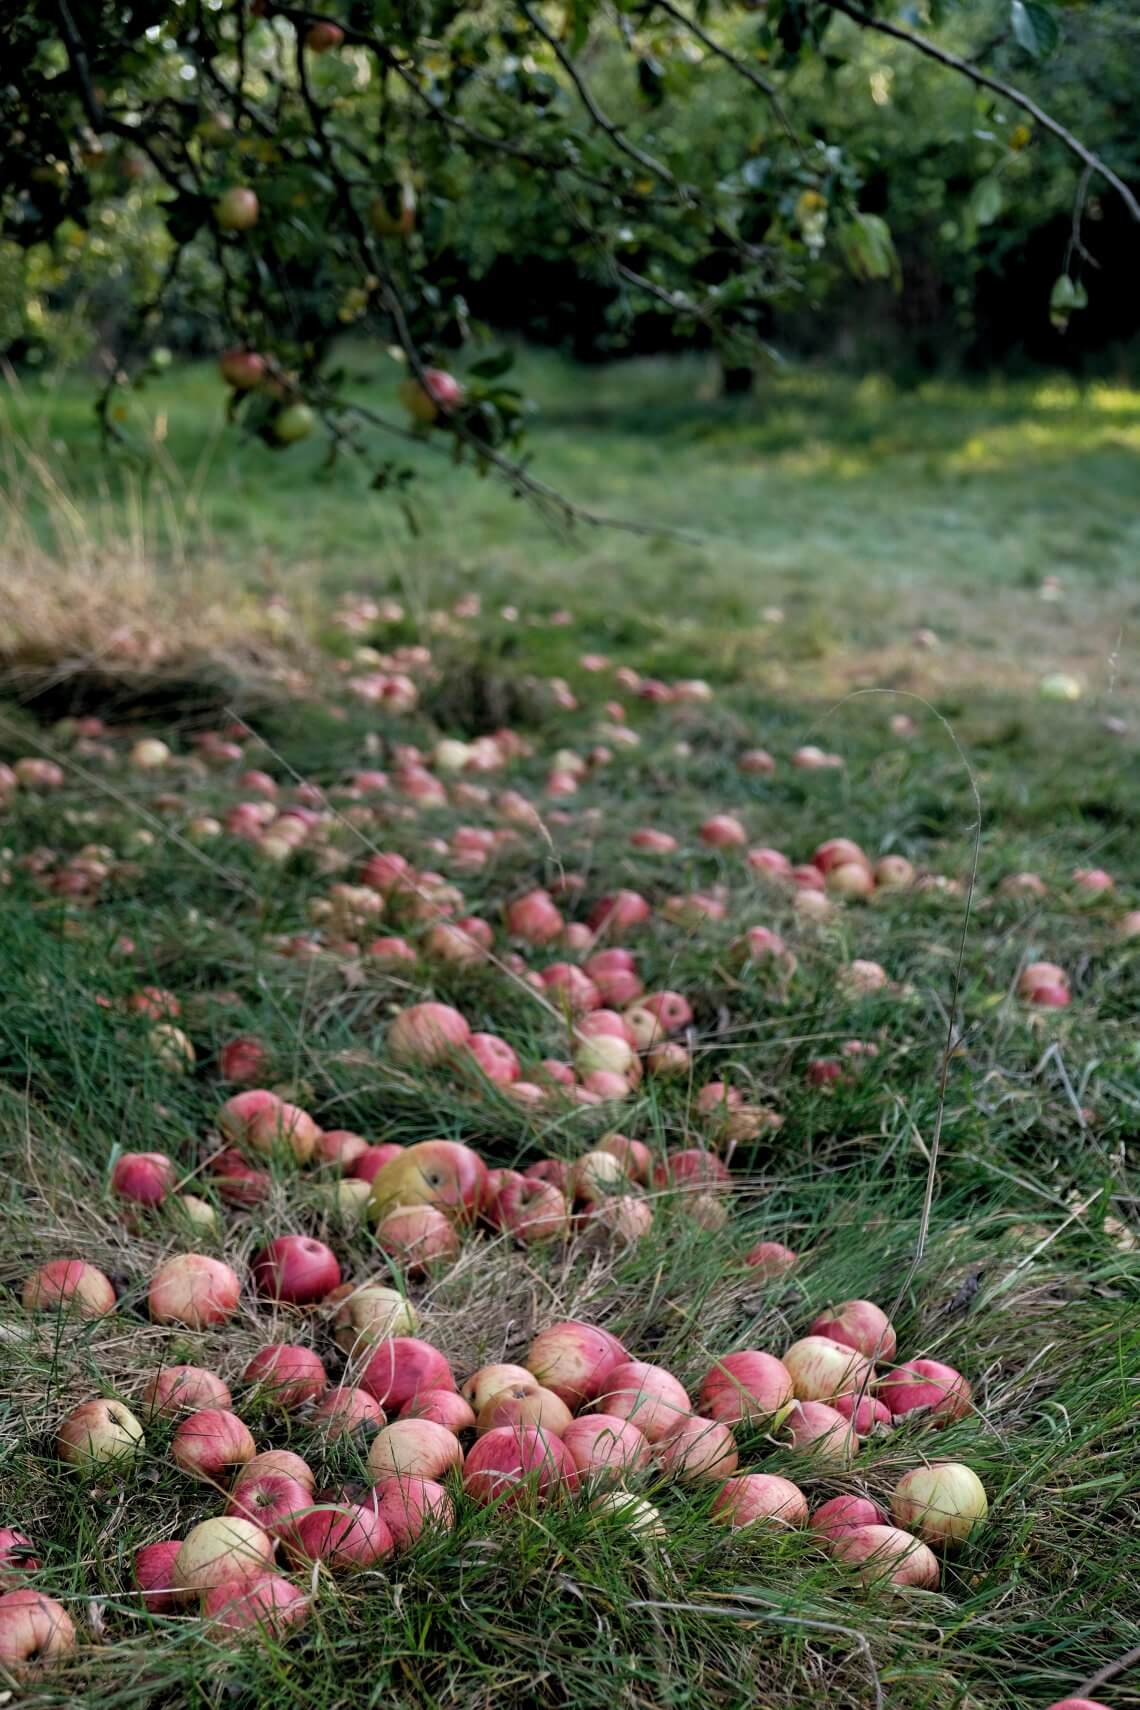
(492, 366)
(1034, 27)
(986, 201)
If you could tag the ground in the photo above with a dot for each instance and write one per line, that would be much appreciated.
(832, 539)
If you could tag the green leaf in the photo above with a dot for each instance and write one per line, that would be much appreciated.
(1034, 27)
(1067, 294)
(986, 201)
(869, 249)
(491, 367)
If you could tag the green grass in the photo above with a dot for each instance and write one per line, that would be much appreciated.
(862, 513)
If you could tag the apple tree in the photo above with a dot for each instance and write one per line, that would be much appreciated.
(309, 170)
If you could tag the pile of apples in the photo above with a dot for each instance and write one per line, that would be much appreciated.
(578, 1419)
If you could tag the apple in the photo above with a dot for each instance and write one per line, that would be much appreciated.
(750, 1497)
(697, 1450)
(342, 1536)
(418, 1236)
(344, 1410)
(295, 1269)
(822, 1368)
(846, 1514)
(595, 1175)
(864, 1412)
(236, 210)
(647, 1395)
(183, 1389)
(287, 1374)
(748, 1385)
(943, 1503)
(441, 1173)
(294, 423)
(244, 370)
(534, 918)
(407, 1505)
(526, 1403)
(530, 1209)
(838, 852)
(478, 1389)
(756, 760)
(858, 1324)
(365, 1316)
(1077, 1704)
(371, 1161)
(17, 1556)
(671, 1009)
(439, 390)
(617, 984)
(821, 1431)
(885, 1553)
(771, 1259)
(35, 1631)
(154, 1575)
(69, 1286)
(571, 988)
(444, 1407)
(723, 831)
(574, 1360)
(272, 1500)
(413, 1446)
(283, 1129)
(194, 1213)
(99, 1431)
(206, 1442)
(604, 1447)
(516, 1465)
(270, 1603)
(926, 1383)
(322, 36)
(893, 873)
(226, 1550)
(282, 1461)
(145, 1177)
(495, 1057)
(619, 912)
(427, 1034)
(633, 1155)
(655, 842)
(402, 1367)
(239, 1112)
(193, 1290)
(691, 1165)
(632, 1513)
(770, 863)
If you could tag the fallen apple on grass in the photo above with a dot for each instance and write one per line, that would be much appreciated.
(517, 1465)
(760, 1497)
(943, 1503)
(35, 1632)
(68, 1286)
(193, 1290)
(184, 1389)
(226, 1550)
(97, 1433)
(208, 1442)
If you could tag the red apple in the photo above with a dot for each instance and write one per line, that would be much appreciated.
(478, 1389)
(97, 1432)
(723, 831)
(340, 1146)
(416, 1447)
(402, 1367)
(408, 1505)
(283, 1129)
(752, 1497)
(287, 1374)
(145, 1177)
(618, 913)
(68, 1286)
(819, 1430)
(861, 1325)
(863, 1411)
(885, 1553)
(441, 1173)
(689, 1167)
(295, 1269)
(17, 1556)
(534, 918)
(207, 1442)
(222, 1551)
(926, 1383)
(236, 210)
(35, 1631)
(282, 1461)
(237, 1113)
(154, 1575)
(367, 1315)
(846, 1514)
(237, 1181)
(418, 1236)
(371, 1161)
(444, 1407)
(697, 1451)
(529, 1209)
(427, 1034)
(243, 370)
(495, 1057)
(513, 1466)
(770, 1259)
(524, 1404)
(184, 1389)
(343, 1536)
(272, 1500)
(343, 1410)
(822, 1369)
(574, 1360)
(604, 1447)
(323, 35)
(748, 1385)
(649, 1396)
(269, 1603)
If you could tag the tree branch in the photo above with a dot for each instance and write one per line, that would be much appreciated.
(740, 66)
(1007, 91)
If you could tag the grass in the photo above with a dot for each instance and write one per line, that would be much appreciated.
(862, 513)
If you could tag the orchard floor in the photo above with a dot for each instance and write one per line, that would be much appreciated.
(826, 523)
